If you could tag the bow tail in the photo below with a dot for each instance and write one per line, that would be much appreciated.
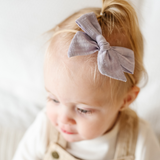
(126, 59)
(109, 65)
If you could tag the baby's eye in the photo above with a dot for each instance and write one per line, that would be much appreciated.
(55, 101)
(48, 98)
(83, 111)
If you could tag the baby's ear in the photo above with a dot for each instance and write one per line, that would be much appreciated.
(130, 97)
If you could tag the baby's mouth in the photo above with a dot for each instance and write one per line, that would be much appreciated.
(67, 132)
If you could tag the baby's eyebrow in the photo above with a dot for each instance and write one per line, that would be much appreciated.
(49, 91)
(46, 89)
(78, 102)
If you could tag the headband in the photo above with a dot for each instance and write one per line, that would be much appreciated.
(112, 60)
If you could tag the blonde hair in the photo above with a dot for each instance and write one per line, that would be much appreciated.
(120, 26)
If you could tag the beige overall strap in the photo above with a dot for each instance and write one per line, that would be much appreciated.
(127, 136)
(56, 146)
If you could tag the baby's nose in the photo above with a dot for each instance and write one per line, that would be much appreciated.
(66, 119)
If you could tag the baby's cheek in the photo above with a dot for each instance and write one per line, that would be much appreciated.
(89, 130)
(51, 114)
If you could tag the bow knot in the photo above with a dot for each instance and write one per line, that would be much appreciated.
(102, 43)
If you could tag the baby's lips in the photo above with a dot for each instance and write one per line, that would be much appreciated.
(68, 132)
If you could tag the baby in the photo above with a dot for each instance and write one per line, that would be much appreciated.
(93, 64)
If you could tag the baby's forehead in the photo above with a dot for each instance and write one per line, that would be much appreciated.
(72, 75)
(76, 68)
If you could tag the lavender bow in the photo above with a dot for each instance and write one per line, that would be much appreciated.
(112, 60)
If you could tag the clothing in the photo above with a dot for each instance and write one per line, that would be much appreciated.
(37, 145)
(89, 147)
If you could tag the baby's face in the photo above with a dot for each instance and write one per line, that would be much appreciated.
(78, 110)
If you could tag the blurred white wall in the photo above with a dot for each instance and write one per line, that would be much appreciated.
(22, 48)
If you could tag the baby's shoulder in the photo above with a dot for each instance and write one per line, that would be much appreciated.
(48, 131)
(143, 126)
(41, 125)
(36, 138)
(144, 129)
(43, 122)
(145, 133)
(146, 141)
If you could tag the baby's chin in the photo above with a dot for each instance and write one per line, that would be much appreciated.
(72, 138)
